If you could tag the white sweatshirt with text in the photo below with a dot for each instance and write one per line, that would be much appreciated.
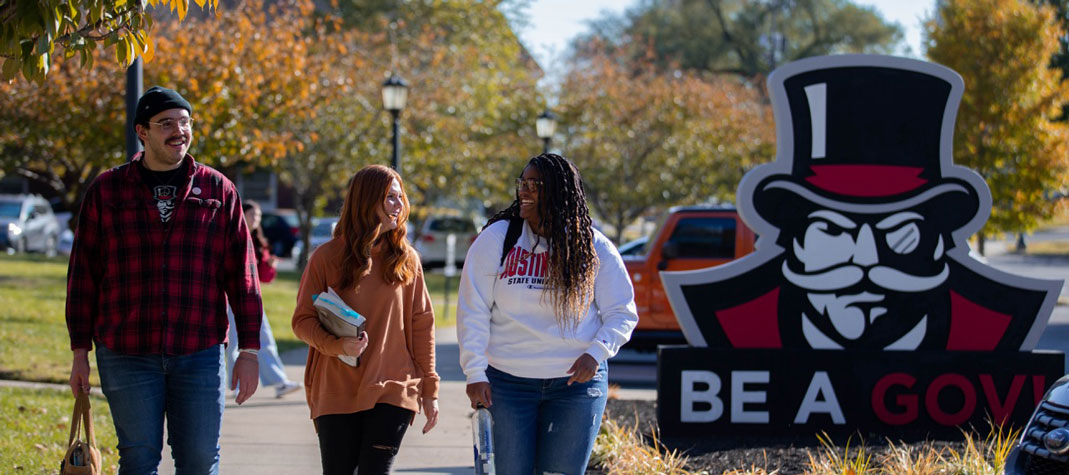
(504, 320)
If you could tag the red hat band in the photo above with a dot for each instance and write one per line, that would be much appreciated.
(866, 180)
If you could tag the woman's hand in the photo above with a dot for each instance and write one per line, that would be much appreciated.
(479, 393)
(583, 369)
(430, 409)
(354, 346)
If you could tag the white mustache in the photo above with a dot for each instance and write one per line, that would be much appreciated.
(847, 275)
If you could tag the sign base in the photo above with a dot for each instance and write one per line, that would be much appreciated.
(906, 395)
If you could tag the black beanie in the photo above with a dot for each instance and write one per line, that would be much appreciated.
(158, 99)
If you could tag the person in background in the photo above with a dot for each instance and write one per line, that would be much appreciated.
(361, 414)
(160, 248)
(272, 371)
(544, 301)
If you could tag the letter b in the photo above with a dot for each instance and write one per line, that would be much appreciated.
(689, 396)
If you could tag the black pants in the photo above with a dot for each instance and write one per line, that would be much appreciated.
(368, 439)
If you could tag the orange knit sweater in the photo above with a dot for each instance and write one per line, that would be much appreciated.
(398, 365)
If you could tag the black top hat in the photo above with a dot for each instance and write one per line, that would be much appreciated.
(868, 138)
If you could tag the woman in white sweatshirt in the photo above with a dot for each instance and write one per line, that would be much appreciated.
(544, 302)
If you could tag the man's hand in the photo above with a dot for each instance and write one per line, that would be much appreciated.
(430, 409)
(354, 346)
(583, 369)
(479, 393)
(80, 372)
(247, 374)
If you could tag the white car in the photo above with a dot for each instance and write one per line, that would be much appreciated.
(28, 224)
(432, 240)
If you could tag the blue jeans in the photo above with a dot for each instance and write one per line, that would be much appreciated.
(544, 425)
(272, 371)
(188, 389)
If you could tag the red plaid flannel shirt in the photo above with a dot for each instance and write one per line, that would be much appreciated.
(138, 286)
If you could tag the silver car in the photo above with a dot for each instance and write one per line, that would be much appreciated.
(27, 224)
(432, 241)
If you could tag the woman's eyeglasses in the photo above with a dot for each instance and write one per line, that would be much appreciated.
(528, 184)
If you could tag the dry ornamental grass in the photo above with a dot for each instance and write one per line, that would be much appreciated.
(630, 444)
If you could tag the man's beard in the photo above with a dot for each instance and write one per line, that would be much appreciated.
(875, 308)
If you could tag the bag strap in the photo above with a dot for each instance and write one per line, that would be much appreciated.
(511, 236)
(81, 418)
(87, 417)
(76, 420)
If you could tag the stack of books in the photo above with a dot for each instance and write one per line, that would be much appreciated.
(339, 319)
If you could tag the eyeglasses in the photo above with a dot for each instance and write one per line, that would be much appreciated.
(528, 184)
(170, 125)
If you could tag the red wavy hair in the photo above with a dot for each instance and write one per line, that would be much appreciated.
(359, 227)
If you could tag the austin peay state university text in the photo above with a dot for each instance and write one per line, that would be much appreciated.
(861, 309)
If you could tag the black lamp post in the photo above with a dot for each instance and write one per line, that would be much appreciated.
(394, 95)
(134, 81)
(545, 125)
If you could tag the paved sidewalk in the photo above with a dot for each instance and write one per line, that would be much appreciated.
(269, 436)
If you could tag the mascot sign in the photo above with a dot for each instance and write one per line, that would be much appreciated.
(860, 309)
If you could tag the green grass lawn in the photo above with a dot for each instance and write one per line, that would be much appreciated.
(36, 424)
(33, 332)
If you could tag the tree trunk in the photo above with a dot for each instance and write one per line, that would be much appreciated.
(619, 235)
(981, 239)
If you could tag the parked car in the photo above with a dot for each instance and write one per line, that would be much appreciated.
(27, 224)
(431, 243)
(686, 238)
(322, 231)
(1044, 445)
(634, 248)
(281, 230)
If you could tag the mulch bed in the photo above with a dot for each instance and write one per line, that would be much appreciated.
(789, 454)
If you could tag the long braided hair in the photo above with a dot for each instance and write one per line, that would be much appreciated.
(565, 219)
(359, 227)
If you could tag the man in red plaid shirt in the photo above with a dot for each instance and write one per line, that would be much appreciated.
(160, 247)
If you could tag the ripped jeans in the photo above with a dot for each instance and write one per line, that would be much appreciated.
(543, 425)
(368, 439)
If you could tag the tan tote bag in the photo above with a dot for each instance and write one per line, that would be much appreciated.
(83, 457)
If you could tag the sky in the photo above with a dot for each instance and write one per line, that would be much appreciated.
(552, 23)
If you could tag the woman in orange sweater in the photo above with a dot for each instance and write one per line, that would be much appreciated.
(361, 413)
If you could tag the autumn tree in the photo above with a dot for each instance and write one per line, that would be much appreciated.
(70, 128)
(468, 126)
(1061, 57)
(744, 37)
(63, 132)
(246, 95)
(645, 141)
(33, 34)
(344, 132)
(1005, 131)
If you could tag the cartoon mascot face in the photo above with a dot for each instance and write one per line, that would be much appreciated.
(863, 221)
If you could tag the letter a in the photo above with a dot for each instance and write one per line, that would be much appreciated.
(819, 386)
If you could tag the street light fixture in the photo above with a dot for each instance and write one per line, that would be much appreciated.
(394, 95)
(544, 128)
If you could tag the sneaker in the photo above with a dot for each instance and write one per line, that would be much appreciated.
(286, 388)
